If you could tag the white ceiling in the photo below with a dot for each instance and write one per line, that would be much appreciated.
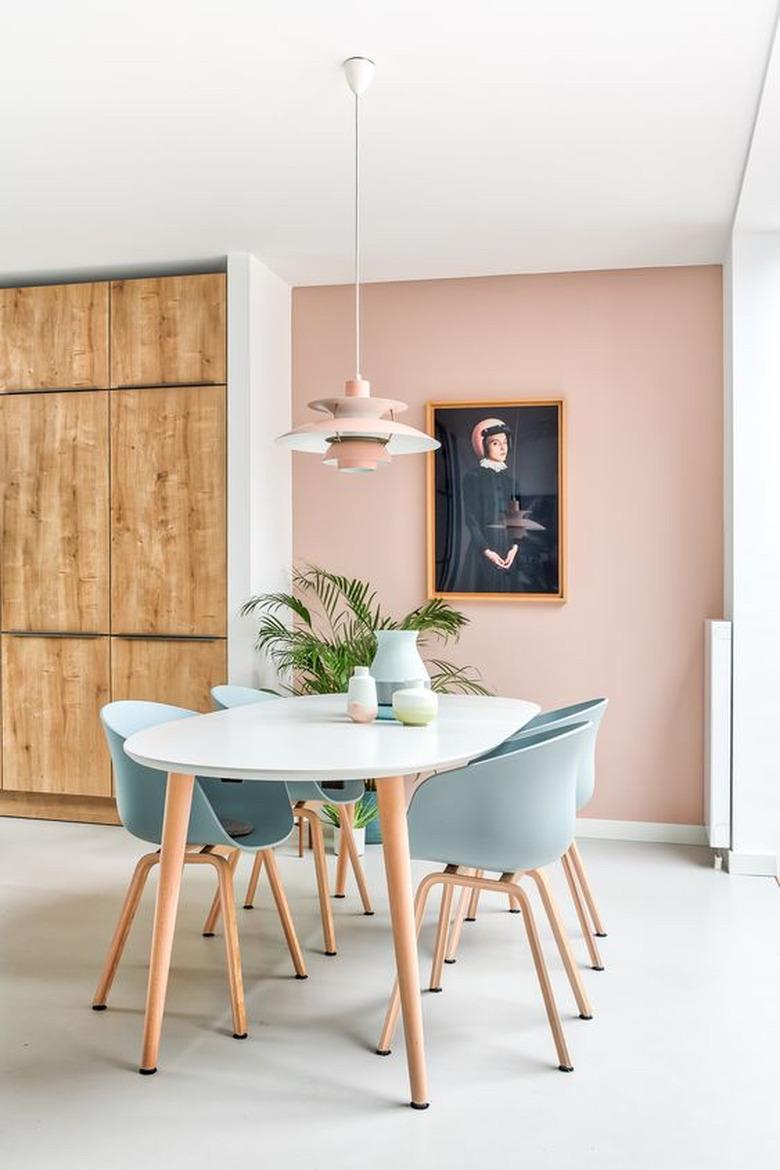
(500, 135)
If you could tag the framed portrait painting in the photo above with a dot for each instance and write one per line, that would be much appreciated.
(496, 501)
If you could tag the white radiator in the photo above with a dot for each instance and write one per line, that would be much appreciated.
(717, 733)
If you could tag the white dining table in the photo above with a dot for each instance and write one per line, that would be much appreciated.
(311, 738)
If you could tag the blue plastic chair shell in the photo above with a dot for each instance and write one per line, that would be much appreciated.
(334, 792)
(593, 711)
(514, 810)
(140, 791)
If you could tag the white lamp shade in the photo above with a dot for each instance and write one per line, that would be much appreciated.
(316, 437)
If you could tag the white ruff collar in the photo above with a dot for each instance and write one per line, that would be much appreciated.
(492, 464)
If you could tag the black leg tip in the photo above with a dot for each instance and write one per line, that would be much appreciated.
(601, 934)
(330, 954)
(450, 961)
(147, 1072)
(297, 976)
(416, 1105)
(583, 1017)
(368, 913)
(99, 1007)
(249, 905)
(598, 968)
(565, 1068)
(339, 895)
(514, 910)
(240, 1035)
(436, 989)
(383, 1051)
(208, 933)
(465, 920)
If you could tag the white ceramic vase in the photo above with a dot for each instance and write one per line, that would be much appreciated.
(397, 666)
(361, 696)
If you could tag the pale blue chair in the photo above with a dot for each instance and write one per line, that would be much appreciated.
(341, 793)
(511, 813)
(235, 815)
(593, 711)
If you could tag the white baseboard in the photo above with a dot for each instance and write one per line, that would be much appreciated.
(751, 864)
(655, 831)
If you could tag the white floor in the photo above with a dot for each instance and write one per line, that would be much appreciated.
(679, 1067)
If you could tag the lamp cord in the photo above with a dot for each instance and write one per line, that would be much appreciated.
(357, 237)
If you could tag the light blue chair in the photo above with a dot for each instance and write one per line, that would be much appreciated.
(593, 711)
(259, 816)
(342, 793)
(510, 814)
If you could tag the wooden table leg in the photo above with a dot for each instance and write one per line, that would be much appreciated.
(178, 801)
(391, 801)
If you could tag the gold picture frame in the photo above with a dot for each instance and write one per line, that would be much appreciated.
(459, 567)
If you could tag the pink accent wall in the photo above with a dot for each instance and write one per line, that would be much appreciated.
(638, 357)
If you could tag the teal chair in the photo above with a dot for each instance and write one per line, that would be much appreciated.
(593, 711)
(234, 815)
(305, 795)
(510, 814)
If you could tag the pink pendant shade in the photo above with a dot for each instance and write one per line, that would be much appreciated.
(358, 435)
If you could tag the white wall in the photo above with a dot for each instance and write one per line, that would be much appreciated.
(259, 472)
(753, 550)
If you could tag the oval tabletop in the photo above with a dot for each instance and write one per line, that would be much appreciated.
(311, 737)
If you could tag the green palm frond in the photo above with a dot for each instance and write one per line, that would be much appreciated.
(318, 633)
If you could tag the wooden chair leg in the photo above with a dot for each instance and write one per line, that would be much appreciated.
(474, 900)
(321, 869)
(348, 838)
(346, 813)
(283, 910)
(301, 824)
(441, 937)
(213, 914)
(564, 1060)
(559, 932)
(394, 1005)
(232, 948)
(251, 890)
(590, 942)
(122, 930)
(582, 878)
(456, 930)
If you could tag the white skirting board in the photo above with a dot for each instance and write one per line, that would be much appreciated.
(642, 831)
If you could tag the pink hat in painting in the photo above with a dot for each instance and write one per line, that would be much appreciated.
(495, 425)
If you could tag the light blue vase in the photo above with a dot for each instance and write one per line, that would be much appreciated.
(397, 665)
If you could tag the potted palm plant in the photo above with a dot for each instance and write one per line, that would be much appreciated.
(326, 626)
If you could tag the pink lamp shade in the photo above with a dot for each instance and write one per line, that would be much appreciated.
(356, 437)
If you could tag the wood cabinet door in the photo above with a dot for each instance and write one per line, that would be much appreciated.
(168, 511)
(168, 331)
(53, 689)
(54, 555)
(179, 672)
(54, 337)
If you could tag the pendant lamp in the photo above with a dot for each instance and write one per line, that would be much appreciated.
(360, 433)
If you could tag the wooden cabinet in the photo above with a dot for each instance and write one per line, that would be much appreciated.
(168, 331)
(53, 689)
(54, 336)
(54, 554)
(168, 511)
(180, 672)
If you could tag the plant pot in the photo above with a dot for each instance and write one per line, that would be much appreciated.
(373, 829)
(360, 840)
